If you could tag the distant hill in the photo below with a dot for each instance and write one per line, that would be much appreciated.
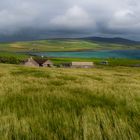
(111, 40)
(33, 37)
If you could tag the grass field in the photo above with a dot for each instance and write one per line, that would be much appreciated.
(69, 104)
(61, 45)
(14, 55)
(97, 61)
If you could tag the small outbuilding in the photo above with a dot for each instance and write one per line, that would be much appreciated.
(47, 63)
(82, 65)
(30, 62)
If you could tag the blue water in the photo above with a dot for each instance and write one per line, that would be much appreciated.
(132, 54)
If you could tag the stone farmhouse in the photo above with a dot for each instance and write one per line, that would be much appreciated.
(37, 63)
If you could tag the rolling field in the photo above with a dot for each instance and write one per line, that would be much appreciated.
(69, 104)
(62, 45)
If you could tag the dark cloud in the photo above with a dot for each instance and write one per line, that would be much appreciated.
(60, 18)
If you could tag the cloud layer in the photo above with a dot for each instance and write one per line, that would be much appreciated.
(71, 18)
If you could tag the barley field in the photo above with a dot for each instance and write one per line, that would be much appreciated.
(69, 104)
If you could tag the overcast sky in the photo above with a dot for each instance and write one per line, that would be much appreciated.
(61, 18)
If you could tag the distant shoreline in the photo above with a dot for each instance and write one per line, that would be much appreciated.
(128, 54)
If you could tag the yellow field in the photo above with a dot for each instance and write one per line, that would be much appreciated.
(69, 104)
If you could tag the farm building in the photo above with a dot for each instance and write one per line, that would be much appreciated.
(30, 62)
(82, 64)
(37, 63)
(78, 65)
(47, 63)
(44, 63)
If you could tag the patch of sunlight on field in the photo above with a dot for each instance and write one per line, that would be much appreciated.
(71, 104)
(15, 45)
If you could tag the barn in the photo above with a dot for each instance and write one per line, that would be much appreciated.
(82, 65)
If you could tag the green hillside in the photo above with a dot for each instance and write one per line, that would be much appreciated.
(62, 45)
(69, 104)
